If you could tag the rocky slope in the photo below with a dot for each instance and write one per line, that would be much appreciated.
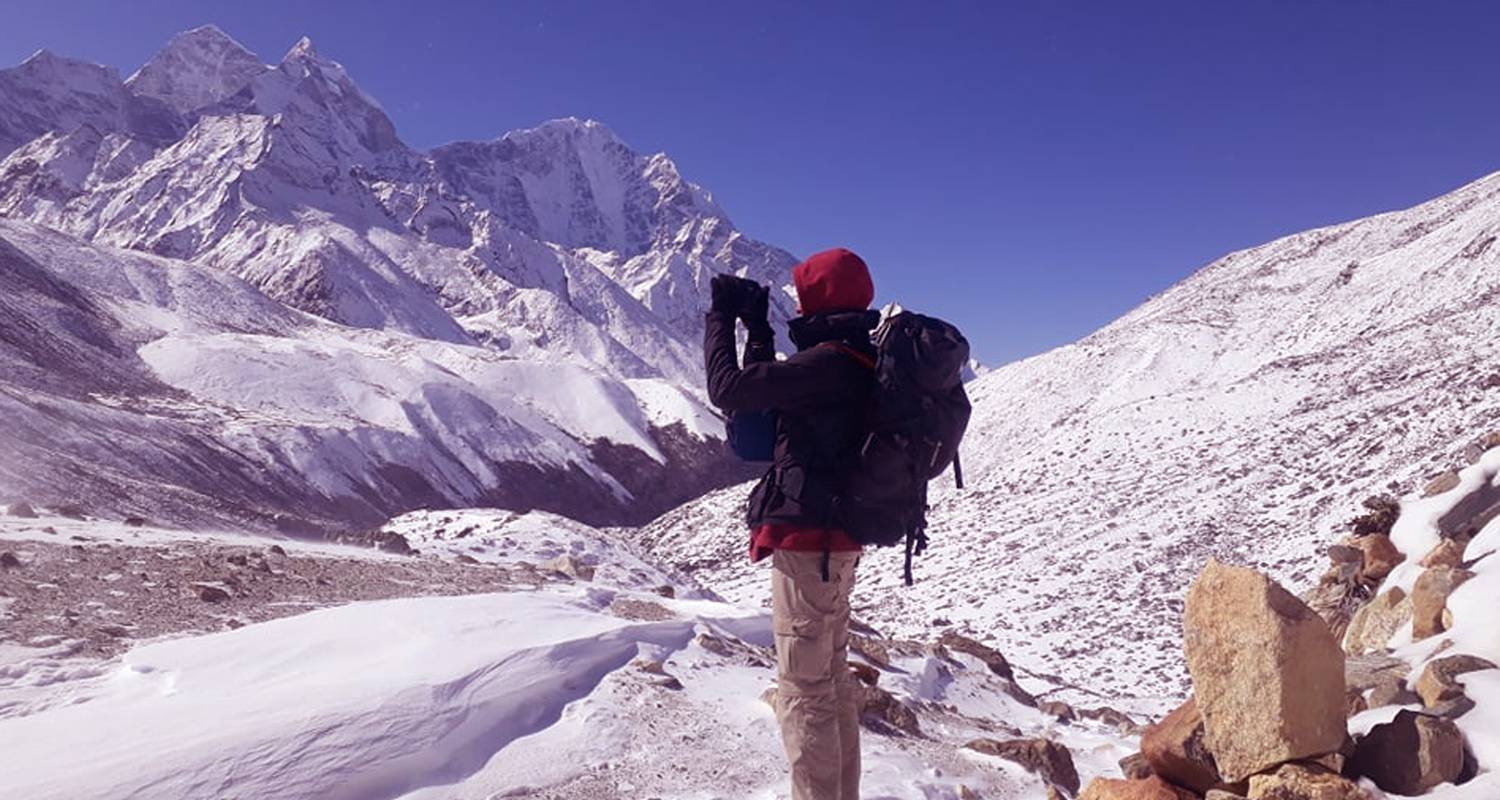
(1387, 683)
(526, 310)
(1242, 414)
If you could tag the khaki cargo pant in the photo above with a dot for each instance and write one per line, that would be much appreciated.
(816, 699)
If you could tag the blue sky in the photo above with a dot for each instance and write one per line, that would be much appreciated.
(1029, 170)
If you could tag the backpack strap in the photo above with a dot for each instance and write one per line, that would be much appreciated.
(868, 362)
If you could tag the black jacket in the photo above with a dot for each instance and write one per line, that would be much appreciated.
(820, 395)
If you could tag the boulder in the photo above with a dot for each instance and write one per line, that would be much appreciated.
(22, 510)
(1339, 594)
(1448, 553)
(1411, 754)
(1442, 483)
(1365, 672)
(1047, 759)
(1152, 788)
(1392, 693)
(1221, 794)
(880, 711)
(1119, 720)
(1380, 557)
(992, 658)
(71, 511)
(1383, 510)
(465, 558)
(136, 522)
(1057, 708)
(209, 593)
(1175, 750)
(1304, 782)
(1135, 766)
(567, 564)
(9, 560)
(1268, 674)
(1430, 596)
(1377, 621)
(1439, 681)
(864, 673)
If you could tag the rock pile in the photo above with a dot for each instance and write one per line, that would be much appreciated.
(1275, 678)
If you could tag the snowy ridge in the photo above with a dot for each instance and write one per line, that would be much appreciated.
(1242, 414)
(183, 394)
(575, 266)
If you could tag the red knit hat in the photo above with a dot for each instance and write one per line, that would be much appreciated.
(833, 280)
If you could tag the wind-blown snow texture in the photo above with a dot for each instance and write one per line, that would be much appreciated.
(530, 306)
(1242, 414)
(575, 690)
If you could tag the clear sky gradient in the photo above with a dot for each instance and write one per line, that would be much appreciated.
(1030, 170)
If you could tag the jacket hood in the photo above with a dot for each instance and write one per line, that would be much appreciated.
(833, 280)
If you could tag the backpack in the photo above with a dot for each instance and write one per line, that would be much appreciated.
(917, 415)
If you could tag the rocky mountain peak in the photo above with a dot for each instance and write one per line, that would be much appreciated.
(196, 69)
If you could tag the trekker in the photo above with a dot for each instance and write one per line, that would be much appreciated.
(820, 395)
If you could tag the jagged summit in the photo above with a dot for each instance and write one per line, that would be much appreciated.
(196, 69)
(558, 249)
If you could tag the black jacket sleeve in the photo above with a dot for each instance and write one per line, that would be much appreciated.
(805, 380)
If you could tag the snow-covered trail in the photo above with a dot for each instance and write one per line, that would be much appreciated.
(566, 689)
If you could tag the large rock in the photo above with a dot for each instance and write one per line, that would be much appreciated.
(881, 712)
(991, 658)
(1372, 670)
(1152, 788)
(1439, 681)
(22, 510)
(1268, 675)
(1135, 765)
(1448, 553)
(569, 565)
(1429, 597)
(1048, 759)
(1445, 482)
(1380, 557)
(1304, 782)
(1411, 754)
(1377, 621)
(1175, 749)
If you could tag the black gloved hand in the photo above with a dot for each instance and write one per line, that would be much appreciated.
(755, 305)
(727, 293)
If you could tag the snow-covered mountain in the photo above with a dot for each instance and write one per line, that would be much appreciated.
(1242, 414)
(575, 263)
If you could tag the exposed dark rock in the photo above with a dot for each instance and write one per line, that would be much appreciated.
(864, 673)
(135, 522)
(992, 658)
(1383, 510)
(1048, 759)
(1411, 754)
(210, 593)
(1056, 708)
(882, 712)
(8, 560)
(69, 511)
(1135, 766)
(22, 510)
(1176, 749)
